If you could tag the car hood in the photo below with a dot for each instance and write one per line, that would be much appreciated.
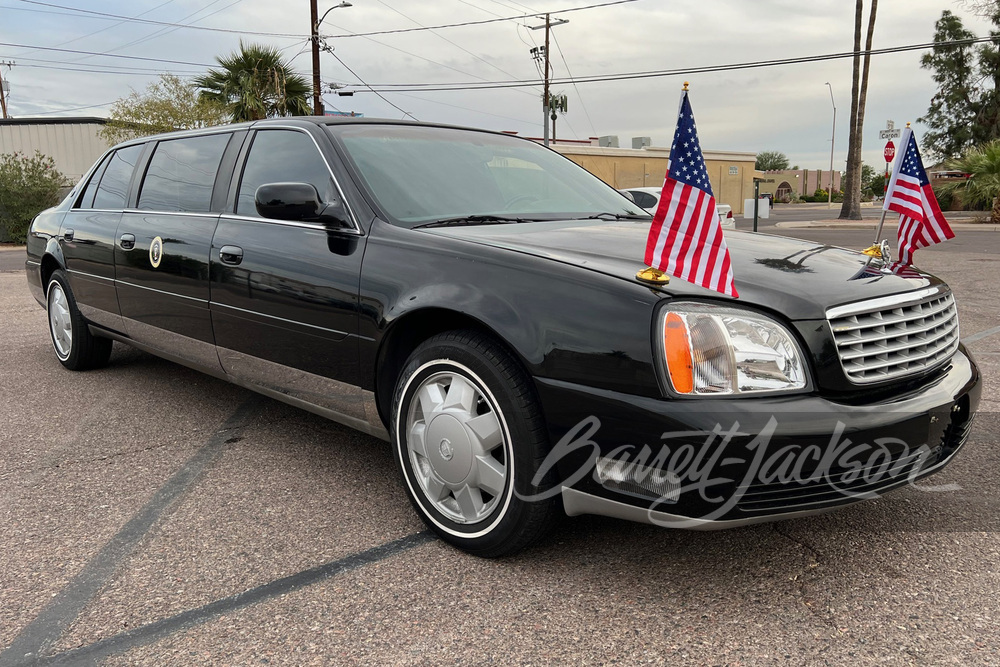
(799, 279)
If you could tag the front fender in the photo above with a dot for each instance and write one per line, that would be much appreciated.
(562, 321)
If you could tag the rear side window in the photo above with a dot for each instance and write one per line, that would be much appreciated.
(181, 174)
(113, 190)
(87, 198)
(282, 156)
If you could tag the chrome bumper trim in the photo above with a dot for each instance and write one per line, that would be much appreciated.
(577, 502)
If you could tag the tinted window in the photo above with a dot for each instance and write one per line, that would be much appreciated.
(644, 199)
(181, 174)
(282, 156)
(113, 190)
(87, 198)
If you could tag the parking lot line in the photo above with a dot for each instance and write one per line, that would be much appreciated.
(147, 634)
(981, 335)
(49, 625)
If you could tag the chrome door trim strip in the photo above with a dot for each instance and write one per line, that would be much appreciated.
(159, 291)
(89, 275)
(343, 334)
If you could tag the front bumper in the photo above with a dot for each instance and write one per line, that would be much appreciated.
(709, 464)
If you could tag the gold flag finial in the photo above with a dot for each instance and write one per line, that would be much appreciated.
(685, 85)
(652, 276)
(907, 125)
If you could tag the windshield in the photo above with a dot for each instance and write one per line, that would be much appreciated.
(419, 175)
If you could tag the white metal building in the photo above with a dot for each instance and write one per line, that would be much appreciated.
(72, 142)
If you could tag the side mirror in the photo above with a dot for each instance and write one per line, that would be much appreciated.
(299, 202)
(628, 195)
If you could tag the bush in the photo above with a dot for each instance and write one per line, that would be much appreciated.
(28, 186)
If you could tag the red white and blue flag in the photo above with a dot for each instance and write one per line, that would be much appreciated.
(921, 222)
(685, 240)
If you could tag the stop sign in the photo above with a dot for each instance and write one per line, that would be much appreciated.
(889, 152)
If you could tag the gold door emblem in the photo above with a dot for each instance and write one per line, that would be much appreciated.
(156, 252)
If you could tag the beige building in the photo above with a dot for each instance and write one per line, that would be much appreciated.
(72, 142)
(782, 184)
(731, 172)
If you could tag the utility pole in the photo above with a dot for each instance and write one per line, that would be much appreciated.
(3, 97)
(314, 24)
(545, 92)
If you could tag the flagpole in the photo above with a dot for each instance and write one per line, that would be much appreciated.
(878, 229)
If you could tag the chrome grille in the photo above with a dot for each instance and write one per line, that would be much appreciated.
(892, 337)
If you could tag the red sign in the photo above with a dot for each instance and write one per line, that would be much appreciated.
(889, 152)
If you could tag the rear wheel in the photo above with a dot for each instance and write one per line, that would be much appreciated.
(469, 439)
(75, 347)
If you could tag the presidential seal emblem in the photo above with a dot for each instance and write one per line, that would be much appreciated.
(156, 252)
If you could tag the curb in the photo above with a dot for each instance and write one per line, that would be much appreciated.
(840, 224)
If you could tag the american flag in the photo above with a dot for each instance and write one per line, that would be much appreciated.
(921, 222)
(685, 239)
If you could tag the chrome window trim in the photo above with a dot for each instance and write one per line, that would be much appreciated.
(159, 291)
(155, 211)
(329, 169)
(97, 210)
(882, 303)
(345, 334)
(287, 223)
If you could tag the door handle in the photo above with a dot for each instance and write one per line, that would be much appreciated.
(231, 254)
(127, 241)
(68, 235)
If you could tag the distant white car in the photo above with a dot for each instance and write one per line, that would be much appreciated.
(648, 198)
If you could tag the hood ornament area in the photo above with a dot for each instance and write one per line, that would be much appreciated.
(880, 250)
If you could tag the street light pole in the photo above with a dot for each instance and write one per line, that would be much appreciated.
(833, 136)
(314, 35)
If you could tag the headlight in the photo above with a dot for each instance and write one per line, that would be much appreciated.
(718, 350)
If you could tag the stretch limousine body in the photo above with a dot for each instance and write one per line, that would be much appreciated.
(471, 297)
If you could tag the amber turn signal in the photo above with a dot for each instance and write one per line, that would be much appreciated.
(677, 346)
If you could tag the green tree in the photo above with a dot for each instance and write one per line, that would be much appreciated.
(982, 163)
(255, 83)
(166, 105)
(28, 186)
(951, 117)
(771, 161)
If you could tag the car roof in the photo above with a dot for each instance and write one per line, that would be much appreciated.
(305, 121)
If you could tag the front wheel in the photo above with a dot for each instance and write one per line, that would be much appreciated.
(76, 348)
(469, 438)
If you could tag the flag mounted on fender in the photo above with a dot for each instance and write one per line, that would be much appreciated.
(685, 239)
(921, 222)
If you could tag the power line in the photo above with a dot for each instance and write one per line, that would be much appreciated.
(474, 85)
(137, 19)
(105, 55)
(404, 112)
(479, 58)
(481, 22)
(92, 106)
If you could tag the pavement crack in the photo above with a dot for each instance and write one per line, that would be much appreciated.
(814, 560)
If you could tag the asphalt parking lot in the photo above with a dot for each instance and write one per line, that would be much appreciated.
(152, 515)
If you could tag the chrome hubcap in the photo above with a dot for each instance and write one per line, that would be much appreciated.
(60, 321)
(456, 447)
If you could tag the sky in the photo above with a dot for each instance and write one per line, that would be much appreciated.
(784, 108)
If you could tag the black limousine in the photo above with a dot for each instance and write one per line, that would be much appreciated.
(472, 298)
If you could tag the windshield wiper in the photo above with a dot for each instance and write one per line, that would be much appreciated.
(617, 216)
(473, 220)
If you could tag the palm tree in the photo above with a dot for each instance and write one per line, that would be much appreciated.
(982, 188)
(255, 83)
